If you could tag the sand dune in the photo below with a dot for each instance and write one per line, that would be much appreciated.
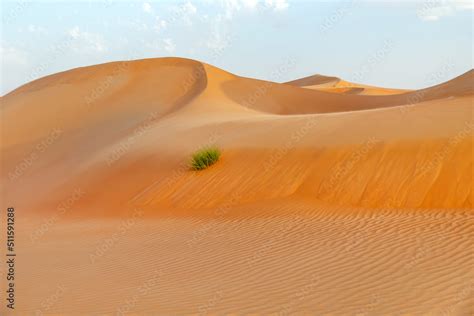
(352, 190)
(287, 99)
(315, 80)
(337, 85)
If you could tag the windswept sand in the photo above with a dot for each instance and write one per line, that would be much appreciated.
(328, 199)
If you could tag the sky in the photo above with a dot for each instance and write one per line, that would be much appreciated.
(398, 44)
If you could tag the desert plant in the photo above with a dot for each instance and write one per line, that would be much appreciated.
(205, 157)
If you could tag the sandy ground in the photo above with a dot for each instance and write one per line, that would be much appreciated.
(325, 201)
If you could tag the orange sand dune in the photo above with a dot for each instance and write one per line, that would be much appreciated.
(339, 196)
(337, 85)
(315, 80)
(286, 99)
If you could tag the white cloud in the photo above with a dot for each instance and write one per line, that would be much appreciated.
(74, 32)
(433, 10)
(277, 5)
(189, 8)
(86, 42)
(183, 12)
(169, 45)
(187, 11)
(464, 4)
(160, 24)
(230, 7)
(433, 13)
(147, 7)
(250, 4)
(36, 29)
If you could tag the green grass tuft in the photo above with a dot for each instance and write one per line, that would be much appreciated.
(205, 157)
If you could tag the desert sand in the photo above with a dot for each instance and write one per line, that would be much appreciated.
(330, 198)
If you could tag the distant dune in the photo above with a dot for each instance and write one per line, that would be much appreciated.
(342, 185)
(337, 85)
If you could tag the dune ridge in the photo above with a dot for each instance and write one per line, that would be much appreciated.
(337, 85)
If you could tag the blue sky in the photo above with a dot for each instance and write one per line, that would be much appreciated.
(402, 44)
